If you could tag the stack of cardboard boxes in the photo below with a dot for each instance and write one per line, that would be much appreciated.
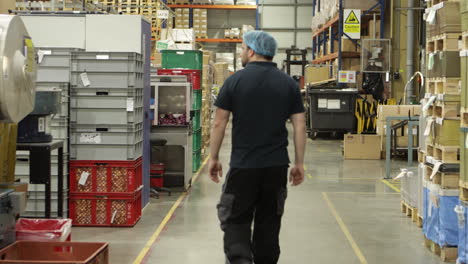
(463, 245)
(200, 23)
(184, 39)
(440, 157)
(182, 17)
(207, 84)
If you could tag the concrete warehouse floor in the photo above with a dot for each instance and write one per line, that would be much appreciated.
(342, 213)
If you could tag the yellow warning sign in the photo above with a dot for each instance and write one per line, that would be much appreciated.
(352, 23)
(352, 19)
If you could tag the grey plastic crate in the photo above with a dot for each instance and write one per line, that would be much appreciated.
(106, 99)
(35, 207)
(108, 80)
(106, 134)
(107, 62)
(106, 152)
(33, 188)
(90, 116)
(85, 91)
(56, 74)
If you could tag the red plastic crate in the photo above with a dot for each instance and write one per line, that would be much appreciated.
(157, 181)
(39, 252)
(105, 176)
(193, 76)
(105, 209)
(58, 230)
(157, 169)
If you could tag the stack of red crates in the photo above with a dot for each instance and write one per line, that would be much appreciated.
(105, 193)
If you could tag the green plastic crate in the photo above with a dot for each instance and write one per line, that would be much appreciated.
(196, 121)
(182, 59)
(196, 160)
(197, 100)
(197, 139)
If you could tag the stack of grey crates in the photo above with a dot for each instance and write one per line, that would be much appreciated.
(106, 106)
(54, 71)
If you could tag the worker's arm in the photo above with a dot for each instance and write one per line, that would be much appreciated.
(297, 172)
(217, 135)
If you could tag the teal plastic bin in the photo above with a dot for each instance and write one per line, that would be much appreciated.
(182, 59)
(196, 160)
(197, 139)
(197, 100)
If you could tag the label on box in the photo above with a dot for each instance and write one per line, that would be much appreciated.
(163, 14)
(41, 124)
(130, 104)
(436, 168)
(440, 121)
(94, 138)
(347, 77)
(113, 216)
(85, 79)
(466, 141)
(322, 103)
(83, 178)
(102, 57)
(333, 104)
(42, 53)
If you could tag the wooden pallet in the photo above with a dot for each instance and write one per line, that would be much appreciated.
(182, 2)
(202, 36)
(464, 117)
(409, 211)
(463, 190)
(443, 42)
(445, 180)
(419, 221)
(465, 41)
(447, 254)
(446, 110)
(421, 156)
(450, 154)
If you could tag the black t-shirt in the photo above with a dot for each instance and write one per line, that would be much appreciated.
(261, 99)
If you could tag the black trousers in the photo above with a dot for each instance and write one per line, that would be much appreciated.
(256, 195)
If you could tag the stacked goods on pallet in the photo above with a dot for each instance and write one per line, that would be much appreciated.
(227, 57)
(200, 23)
(246, 2)
(182, 18)
(189, 63)
(207, 85)
(223, 2)
(442, 121)
(54, 66)
(440, 220)
(462, 209)
(129, 7)
(106, 138)
(221, 73)
(184, 39)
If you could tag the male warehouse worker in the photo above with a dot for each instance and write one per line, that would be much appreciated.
(261, 99)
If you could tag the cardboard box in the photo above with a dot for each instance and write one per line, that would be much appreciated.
(317, 73)
(16, 186)
(221, 72)
(362, 147)
(185, 10)
(157, 60)
(347, 45)
(206, 59)
(377, 29)
(6, 5)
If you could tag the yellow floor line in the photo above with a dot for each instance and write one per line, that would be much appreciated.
(345, 230)
(396, 189)
(309, 176)
(392, 193)
(166, 220)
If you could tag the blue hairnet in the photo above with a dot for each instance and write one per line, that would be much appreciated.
(261, 42)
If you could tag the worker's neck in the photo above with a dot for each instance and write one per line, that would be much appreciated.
(256, 59)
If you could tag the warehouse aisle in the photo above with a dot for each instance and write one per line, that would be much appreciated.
(342, 213)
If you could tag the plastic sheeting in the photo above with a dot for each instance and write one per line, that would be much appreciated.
(440, 220)
(409, 185)
(462, 232)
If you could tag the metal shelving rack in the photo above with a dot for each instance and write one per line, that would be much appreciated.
(225, 7)
(334, 29)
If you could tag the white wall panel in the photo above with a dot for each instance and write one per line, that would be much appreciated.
(304, 40)
(277, 17)
(284, 39)
(304, 17)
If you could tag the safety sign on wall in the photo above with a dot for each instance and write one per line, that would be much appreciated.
(352, 23)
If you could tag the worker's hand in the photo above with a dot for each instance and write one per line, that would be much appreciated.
(215, 170)
(296, 176)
